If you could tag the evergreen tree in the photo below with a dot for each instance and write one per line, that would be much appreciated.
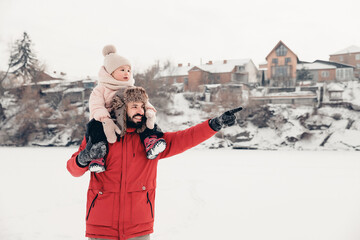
(23, 62)
(303, 74)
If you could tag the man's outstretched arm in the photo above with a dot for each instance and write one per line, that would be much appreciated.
(180, 141)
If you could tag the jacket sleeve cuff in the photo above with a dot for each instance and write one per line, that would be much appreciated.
(78, 164)
(214, 125)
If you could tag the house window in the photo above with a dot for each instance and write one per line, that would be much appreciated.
(347, 73)
(287, 60)
(282, 71)
(341, 58)
(325, 74)
(281, 50)
(275, 61)
(186, 81)
(358, 65)
(357, 56)
(340, 73)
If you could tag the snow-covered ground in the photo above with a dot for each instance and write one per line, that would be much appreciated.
(202, 194)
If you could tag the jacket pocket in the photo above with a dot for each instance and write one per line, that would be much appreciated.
(99, 207)
(142, 202)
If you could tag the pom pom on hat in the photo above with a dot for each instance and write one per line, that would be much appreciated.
(112, 60)
(108, 49)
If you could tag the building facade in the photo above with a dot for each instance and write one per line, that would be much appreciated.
(281, 66)
(237, 71)
(349, 56)
(241, 71)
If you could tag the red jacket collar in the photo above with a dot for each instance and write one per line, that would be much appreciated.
(130, 130)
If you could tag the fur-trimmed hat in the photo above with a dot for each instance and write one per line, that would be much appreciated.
(121, 99)
(112, 60)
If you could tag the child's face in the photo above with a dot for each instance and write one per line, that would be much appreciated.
(122, 73)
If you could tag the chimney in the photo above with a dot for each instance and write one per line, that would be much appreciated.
(188, 64)
(209, 63)
(180, 65)
(225, 61)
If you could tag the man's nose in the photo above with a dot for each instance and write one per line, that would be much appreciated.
(140, 111)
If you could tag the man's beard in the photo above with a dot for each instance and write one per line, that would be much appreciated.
(131, 124)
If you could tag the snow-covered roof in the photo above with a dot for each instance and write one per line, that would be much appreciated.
(285, 95)
(70, 90)
(77, 79)
(291, 94)
(336, 64)
(223, 66)
(314, 66)
(211, 86)
(215, 67)
(55, 81)
(54, 89)
(49, 82)
(335, 87)
(175, 71)
(55, 74)
(351, 49)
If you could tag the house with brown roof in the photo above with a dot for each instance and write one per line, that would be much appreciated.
(281, 66)
(349, 56)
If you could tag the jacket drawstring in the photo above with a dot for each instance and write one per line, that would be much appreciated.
(148, 201)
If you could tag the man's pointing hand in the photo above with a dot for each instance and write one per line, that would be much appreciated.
(226, 119)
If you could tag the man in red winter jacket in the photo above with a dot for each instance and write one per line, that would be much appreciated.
(120, 201)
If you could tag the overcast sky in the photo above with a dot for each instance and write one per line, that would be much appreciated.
(69, 35)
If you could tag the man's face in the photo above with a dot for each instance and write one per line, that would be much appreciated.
(135, 112)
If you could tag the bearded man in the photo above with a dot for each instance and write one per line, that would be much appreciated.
(120, 200)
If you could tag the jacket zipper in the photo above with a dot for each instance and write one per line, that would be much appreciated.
(148, 201)
(92, 205)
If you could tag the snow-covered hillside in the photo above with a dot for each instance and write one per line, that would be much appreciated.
(299, 128)
(283, 127)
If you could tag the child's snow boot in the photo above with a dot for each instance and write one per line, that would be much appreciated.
(97, 165)
(154, 146)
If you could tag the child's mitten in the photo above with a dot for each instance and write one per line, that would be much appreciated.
(110, 129)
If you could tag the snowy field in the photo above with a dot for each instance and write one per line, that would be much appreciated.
(202, 194)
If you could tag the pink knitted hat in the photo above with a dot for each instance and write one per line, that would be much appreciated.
(112, 60)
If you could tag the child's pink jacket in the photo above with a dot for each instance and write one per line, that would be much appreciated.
(102, 95)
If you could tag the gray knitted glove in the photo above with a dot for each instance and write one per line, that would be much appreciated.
(91, 151)
(226, 119)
